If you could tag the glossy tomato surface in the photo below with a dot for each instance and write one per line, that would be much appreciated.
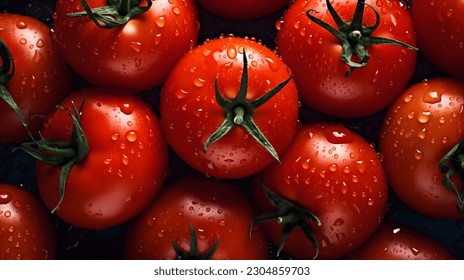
(136, 55)
(420, 128)
(41, 77)
(217, 212)
(190, 112)
(26, 228)
(125, 167)
(314, 55)
(334, 174)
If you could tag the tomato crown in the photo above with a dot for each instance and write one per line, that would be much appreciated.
(239, 111)
(116, 13)
(290, 215)
(194, 254)
(353, 36)
(453, 164)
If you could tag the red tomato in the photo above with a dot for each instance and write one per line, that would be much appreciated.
(219, 213)
(315, 55)
(443, 19)
(26, 228)
(420, 128)
(329, 176)
(192, 111)
(242, 9)
(125, 166)
(41, 78)
(136, 55)
(400, 242)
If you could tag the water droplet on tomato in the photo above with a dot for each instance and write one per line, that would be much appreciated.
(5, 198)
(272, 64)
(21, 24)
(370, 202)
(38, 57)
(333, 167)
(115, 136)
(160, 233)
(131, 136)
(414, 251)
(176, 10)
(279, 24)
(418, 154)
(432, 97)
(23, 41)
(126, 108)
(222, 223)
(40, 43)
(408, 98)
(424, 117)
(160, 21)
(199, 82)
(125, 159)
(7, 214)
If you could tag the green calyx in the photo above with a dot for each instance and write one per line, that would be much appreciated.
(239, 111)
(194, 253)
(290, 215)
(116, 13)
(7, 69)
(453, 164)
(353, 36)
(63, 153)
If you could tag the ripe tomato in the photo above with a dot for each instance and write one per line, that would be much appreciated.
(242, 9)
(400, 242)
(40, 79)
(235, 88)
(218, 213)
(420, 128)
(26, 229)
(351, 74)
(330, 188)
(135, 55)
(125, 166)
(443, 19)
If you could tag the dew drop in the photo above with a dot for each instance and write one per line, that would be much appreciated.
(21, 24)
(7, 214)
(5, 198)
(432, 97)
(199, 82)
(418, 154)
(40, 43)
(23, 41)
(232, 53)
(136, 46)
(338, 222)
(333, 167)
(115, 136)
(125, 160)
(160, 21)
(279, 23)
(222, 223)
(176, 10)
(131, 136)
(160, 233)
(126, 108)
(272, 64)
(38, 57)
(424, 117)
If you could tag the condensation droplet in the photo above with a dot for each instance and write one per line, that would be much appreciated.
(21, 24)
(424, 117)
(131, 136)
(432, 97)
(160, 21)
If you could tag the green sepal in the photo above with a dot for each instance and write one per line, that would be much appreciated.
(290, 215)
(353, 36)
(116, 13)
(239, 111)
(193, 253)
(453, 164)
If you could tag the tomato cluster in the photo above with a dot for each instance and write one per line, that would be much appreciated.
(196, 129)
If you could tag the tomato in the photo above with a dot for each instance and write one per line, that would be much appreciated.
(419, 129)
(242, 9)
(439, 26)
(215, 214)
(40, 79)
(240, 127)
(393, 241)
(26, 228)
(123, 169)
(328, 195)
(352, 73)
(137, 54)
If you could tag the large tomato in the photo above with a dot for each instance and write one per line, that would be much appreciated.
(420, 128)
(439, 27)
(347, 65)
(26, 228)
(229, 107)
(137, 54)
(118, 172)
(242, 9)
(37, 77)
(201, 218)
(393, 241)
(328, 195)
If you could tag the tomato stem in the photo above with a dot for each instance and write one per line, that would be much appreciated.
(290, 215)
(452, 164)
(116, 13)
(353, 36)
(239, 111)
(194, 253)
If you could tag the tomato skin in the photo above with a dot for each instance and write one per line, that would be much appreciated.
(336, 175)
(216, 209)
(314, 55)
(137, 55)
(126, 165)
(425, 122)
(41, 78)
(189, 110)
(242, 9)
(26, 228)
(439, 26)
(393, 241)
